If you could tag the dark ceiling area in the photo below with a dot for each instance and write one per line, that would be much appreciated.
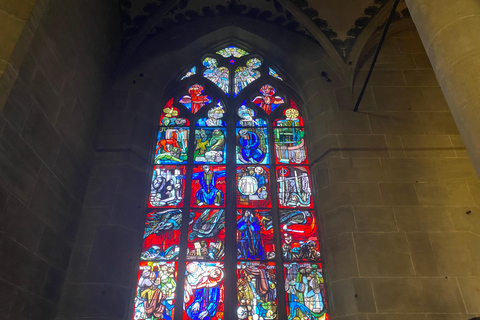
(340, 22)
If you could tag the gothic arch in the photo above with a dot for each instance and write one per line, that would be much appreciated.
(235, 100)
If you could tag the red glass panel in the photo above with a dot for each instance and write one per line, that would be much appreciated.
(172, 145)
(162, 235)
(299, 235)
(291, 117)
(208, 186)
(268, 101)
(195, 98)
(171, 116)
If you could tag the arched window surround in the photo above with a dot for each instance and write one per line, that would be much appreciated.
(179, 88)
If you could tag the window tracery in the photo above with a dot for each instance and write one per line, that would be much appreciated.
(207, 224)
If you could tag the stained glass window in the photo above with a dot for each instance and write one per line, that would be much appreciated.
(232, 51)
(216, 74)
(274, 74)
(190, 73)
(247, 74)
(225, 166)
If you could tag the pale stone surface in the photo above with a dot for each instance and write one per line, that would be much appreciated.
(363, 146)
(383, 255)
(340, 252)
(395, 123)
(401, 194)
(435, 99)
(338, 221)
(348, 123)
(423, 257)
(19, 8)
(438, 123)
(460, 169)
(389, 316)
(417, 295)
(451, 193)
(456, 253)
(375, 219)
(395, 146)
(10, 30)
(470, 288)
(427, 146)
(409, 170)
(352, 296)
(423, 219)
(442, 26)
(355, 170)
(400, 98)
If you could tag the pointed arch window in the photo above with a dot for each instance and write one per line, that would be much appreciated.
(231, 229)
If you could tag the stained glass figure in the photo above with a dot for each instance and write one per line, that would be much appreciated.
(195, 100)
(206, 236)
(252, 145)
(255, 235)
(208, 186)
(204, 291)
(162, 235)
(291, 118)
(219, 76)
(293, 185)
(256, 290)
(190, 73)
(290, 145)
(299, 235)
(253, 187)
(232, 51)
(274, 74)
(155, 295)
(170, 116)
(248, 117)
(268, 101)
(246, 75)
(168, 185)
(305, 291)
(172, 145)
(215, 115)
(210, 145)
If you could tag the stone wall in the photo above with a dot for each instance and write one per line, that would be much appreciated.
(46, 149)
(395, 190)
(399, 196)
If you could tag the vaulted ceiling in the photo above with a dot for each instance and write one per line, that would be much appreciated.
(336, 23)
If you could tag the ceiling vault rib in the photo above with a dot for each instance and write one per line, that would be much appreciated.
(314, 30)
(377, 52)
(152, 21)
(378, 20)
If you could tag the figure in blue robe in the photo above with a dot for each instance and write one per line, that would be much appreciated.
(208, 193)
(204, 307)
(250, 142)
(250, 246)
